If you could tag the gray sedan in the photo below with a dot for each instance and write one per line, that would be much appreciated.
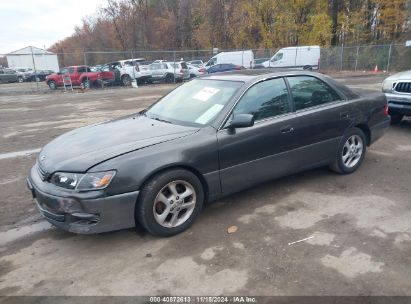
(206, 139)
(8, 75)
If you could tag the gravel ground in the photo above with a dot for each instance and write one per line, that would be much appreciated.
(360, 224)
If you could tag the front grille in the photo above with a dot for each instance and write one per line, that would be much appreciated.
(42, 172)
(403, 87)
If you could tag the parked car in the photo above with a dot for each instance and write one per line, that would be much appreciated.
(169, 71)
(304, 57)
(39, 75)
(8, 75)
(209, 137)
(258, 63)
(224, 67)
(79, 76)
(196, 63)
(241, 58)
(196, 71)
(397, 89)
(129, 70)
(22, 73)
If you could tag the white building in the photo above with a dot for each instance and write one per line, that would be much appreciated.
(23, 58)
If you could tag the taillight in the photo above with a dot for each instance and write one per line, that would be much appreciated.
(386, 109)
(202, 70)
(238, 67)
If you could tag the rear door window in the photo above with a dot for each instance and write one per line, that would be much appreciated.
(308, 91)
(265, 99)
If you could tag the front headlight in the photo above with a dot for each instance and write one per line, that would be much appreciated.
(82, 182)
(387, 86)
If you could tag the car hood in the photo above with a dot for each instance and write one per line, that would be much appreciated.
(83, 148)
(405, 75)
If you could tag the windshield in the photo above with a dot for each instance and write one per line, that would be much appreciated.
(197, 102)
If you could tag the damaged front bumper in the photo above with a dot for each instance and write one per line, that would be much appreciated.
(83, 212)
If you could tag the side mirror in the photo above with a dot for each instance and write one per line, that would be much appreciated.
(242, 121)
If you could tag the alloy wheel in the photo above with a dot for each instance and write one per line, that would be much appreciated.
(352, 151)
(174, 204)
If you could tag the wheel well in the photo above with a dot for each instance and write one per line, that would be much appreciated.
(188, 168)
(366, 131)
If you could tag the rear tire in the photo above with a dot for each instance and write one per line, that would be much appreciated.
(86, 84)
(169, 202)
(126, 80)
(396, 118)
(351, 152)
(20, 79)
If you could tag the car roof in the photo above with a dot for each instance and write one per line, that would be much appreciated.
(251, 76)
(254, 75)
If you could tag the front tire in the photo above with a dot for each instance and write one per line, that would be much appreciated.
(126, 80)
(351, 152)
(169, 202)
(52, 85)
(170, 78)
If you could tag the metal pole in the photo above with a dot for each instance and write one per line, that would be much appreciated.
(269, 60)
(389, 58)
(34, 66)
(356, 59)
(85, 63)
(341, 59)
(134, 67)
(174, 66)
(295, 59)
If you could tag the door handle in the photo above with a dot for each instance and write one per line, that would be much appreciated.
(345, 115)
(287, 129)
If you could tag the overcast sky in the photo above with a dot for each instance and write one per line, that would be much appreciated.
(40, 23)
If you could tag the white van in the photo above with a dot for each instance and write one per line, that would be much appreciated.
(240, 58)
(305, 57)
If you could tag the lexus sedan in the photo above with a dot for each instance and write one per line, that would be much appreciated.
(209, 137)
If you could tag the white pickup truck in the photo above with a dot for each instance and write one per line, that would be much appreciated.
(129, 69)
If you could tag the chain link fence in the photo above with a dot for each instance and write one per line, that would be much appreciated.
(387, 58)
(32, 67)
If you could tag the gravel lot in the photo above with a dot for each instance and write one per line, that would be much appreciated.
(361, 223)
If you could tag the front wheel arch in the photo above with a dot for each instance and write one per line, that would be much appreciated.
(142, 205)
(176, 167)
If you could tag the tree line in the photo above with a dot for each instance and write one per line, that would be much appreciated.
(231, 24)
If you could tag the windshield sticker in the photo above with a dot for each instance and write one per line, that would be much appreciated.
(209, 114)
(205, 93)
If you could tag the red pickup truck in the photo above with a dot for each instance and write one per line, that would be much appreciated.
(80, 76)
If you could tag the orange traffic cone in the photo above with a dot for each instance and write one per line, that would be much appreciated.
(376, 69)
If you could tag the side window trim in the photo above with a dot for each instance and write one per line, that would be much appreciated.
(289, 98)
(342, 97)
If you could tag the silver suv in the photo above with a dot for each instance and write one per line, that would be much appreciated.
(169, 71)
(397, 89)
